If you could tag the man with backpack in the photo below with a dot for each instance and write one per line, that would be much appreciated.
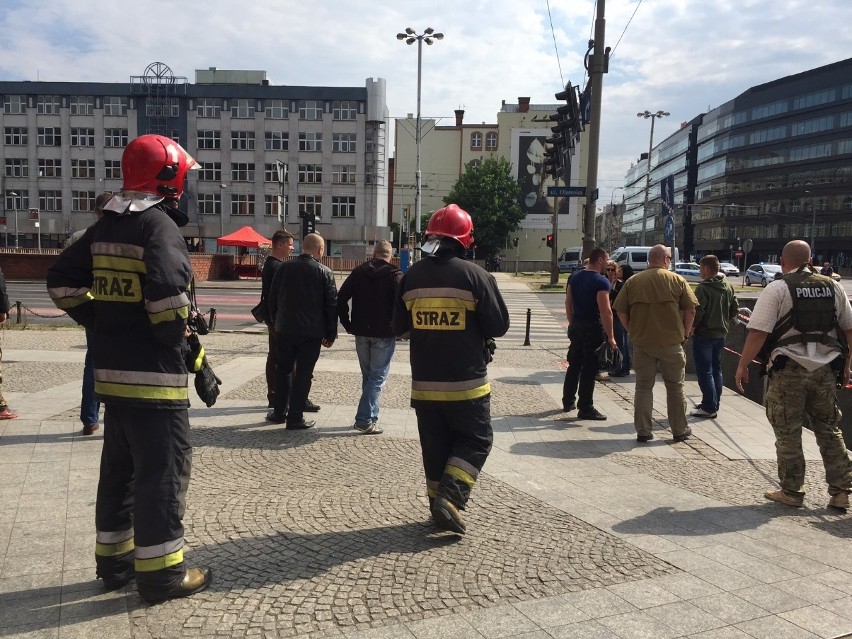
(804, 324)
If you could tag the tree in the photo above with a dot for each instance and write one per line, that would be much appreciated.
(491, 195)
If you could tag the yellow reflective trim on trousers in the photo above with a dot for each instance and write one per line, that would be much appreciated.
(159, 563)
(113, 263)
(170, 315)
(440, 302)
(140, 391)
(461, 475)
(114, 550)
(451, 396)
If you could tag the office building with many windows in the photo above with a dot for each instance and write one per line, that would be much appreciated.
(268, 154)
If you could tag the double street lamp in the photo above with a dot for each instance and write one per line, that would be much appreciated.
(15, 206)
(647, 114)
(410, 36)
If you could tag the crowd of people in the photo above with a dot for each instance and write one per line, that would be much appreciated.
(129, 275)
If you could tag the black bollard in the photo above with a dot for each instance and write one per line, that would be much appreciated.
(212, 323)
(18, 312)
(527, 336)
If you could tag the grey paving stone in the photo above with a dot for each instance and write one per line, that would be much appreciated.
(842, 607)
(729, 632)
(729, 608)
(685, 618)
(644, 594)
(551, 611)
(637, 625)
(501, 621)
(770, 598)
(441, 627)
(773, 627)
(686, 586)
(392, 631)
(582, 630)
(725, 578)
(42, 610)
(837, 579)
(599, 602)
(764, 570)
(809, 589)
(818, 620)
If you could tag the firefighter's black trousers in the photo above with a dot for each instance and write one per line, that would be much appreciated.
(456, 438)
(145, 468)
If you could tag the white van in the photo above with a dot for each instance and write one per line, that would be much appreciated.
(636, 256)
(570, 259)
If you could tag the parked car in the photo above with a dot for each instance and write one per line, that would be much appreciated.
(729, 269)
(690, 271)
(635, 256)
(763, 274)
(570, 259)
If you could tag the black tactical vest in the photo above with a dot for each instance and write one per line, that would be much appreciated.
(813, 313)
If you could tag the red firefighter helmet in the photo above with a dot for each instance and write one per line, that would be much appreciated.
(452, 221)
(157, 165)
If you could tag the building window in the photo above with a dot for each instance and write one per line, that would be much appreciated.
(113, 169)
(476, 141)
(276, 109)
(242, 108)
(49, 136)
(491, 141)
(310, 173)
(14, 104)
(276, 141)
(310, 204)
(114, 105)
(50, 200)
(343, 174)
(271, 205)
(270, 172)
(210, 172)
(242, 140)
(242, 172)
(344, 110)
(82, 137)
(209, 107)
(342, 206)
(343, 142)
(310, 141)
(82, 105)
(17, 167)
(82, 201)
(474, 164)
(310, 109)
(17, 202)
(15, 136)
(242, 204)
(209, 139)
(48, 104)
(49, 167)
(115, 138)
(210, 203)
(162, 108)
(82, 168)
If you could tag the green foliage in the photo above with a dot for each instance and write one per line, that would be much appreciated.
(491, 195)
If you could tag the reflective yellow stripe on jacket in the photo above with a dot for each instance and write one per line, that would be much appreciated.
(141, 384)
(450, 391)
(64, 297)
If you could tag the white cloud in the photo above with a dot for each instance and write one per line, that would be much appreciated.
(679, 55)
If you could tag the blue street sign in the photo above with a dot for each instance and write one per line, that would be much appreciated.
(668, 231)
(566, 191)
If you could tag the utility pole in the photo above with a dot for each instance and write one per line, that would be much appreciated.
(597, 66)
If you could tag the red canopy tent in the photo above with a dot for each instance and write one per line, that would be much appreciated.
(246, 237)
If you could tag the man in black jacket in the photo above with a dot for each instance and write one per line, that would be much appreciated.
(303, 309)
(371, 287)
(282, 246)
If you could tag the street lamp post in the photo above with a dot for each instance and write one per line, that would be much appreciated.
(15, 206)
(647, 114)
(410, 37)
(813, 225)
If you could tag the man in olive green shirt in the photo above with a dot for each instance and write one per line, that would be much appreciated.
(657, 307)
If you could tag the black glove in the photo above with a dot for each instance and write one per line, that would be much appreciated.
(207, 384)
(490, 346)
(193, 355)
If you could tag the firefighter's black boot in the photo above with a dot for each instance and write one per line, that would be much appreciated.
(194, 580)
(447, 516)
(115, 571)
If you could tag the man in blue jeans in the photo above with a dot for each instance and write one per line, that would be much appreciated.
(717, 307)
(372, 289)
(590, 324)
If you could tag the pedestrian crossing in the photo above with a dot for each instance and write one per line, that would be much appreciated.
(544, 327)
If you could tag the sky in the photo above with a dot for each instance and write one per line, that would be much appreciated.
(681, 56)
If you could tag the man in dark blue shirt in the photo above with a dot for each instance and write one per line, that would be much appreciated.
(590, 324)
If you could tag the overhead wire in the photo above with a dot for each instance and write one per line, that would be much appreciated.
(591, 37)
(612, 53)
(553, 34)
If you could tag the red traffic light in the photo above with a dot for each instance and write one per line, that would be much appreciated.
(549, 240)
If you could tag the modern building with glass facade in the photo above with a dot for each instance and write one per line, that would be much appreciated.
(62, 144)
(771, 165)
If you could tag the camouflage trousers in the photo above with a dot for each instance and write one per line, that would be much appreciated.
(799, 398)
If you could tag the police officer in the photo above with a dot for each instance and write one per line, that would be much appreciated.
(803, 323)
(126, 281)
(450, 308)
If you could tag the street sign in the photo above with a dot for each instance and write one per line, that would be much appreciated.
(668, 231)
(566, 191)
(738, 254)
(747, 246)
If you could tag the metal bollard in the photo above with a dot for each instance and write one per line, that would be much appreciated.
(212, 323)
(17, 312)
(527, 336)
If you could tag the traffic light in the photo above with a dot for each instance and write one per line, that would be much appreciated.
(515, 242)
(549, 240)
(309, 224)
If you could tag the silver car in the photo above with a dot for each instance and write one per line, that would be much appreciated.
(762, 274)
(729, 269)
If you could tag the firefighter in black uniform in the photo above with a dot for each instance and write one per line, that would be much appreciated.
(126, 281)
(452, 310)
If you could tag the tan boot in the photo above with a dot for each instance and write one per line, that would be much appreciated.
(840, 500)
(783, 498)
